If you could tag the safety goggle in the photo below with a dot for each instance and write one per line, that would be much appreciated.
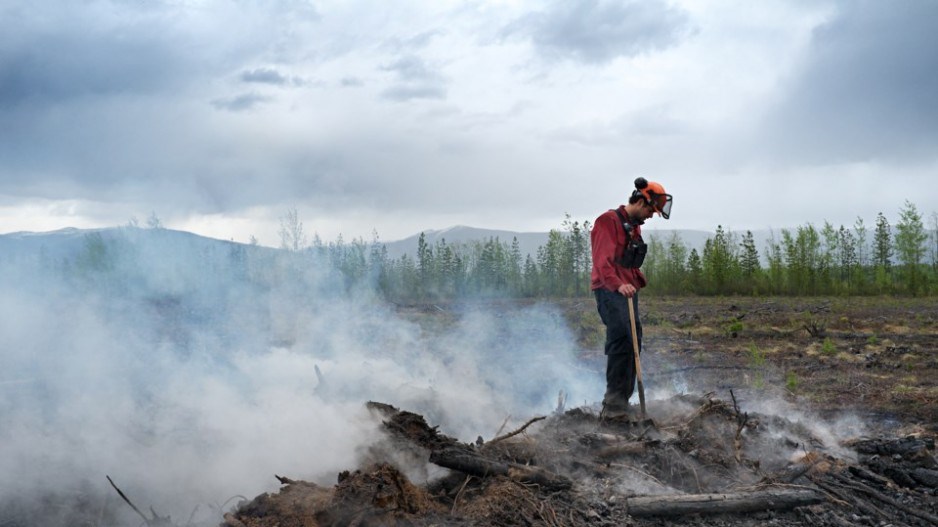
(661, 203)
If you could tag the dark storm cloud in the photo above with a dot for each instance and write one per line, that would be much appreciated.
(112, 100)
(415, 79)
(598, 31)
(868, 88)
(51, 65)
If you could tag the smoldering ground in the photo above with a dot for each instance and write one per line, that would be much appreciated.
(193, 372)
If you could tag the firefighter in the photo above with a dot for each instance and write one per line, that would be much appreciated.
(618, 253)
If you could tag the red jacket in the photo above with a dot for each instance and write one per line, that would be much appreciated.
(608, 241)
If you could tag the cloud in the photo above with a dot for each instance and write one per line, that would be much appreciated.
(407, 92)
(272, 77)
(75, 54)
(412, 68)
(351, 82)
(415, 80)
(599, 31)
(240, 103)
(866, 89)
(264, 76)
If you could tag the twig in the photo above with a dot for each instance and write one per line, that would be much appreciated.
(741, 420)
(864, 506)
(243, 498)
(459, 493)
(518, 431)
(126, 499)
(504, 424)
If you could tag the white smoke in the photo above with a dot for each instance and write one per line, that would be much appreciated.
(189, 383)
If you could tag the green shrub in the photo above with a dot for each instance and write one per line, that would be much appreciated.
(734, 328)
(756, 356)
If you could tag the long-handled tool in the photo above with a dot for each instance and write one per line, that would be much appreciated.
(638, 361)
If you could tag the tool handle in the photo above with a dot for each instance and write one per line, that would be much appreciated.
(638, 360)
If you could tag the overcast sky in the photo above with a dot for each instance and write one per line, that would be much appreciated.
(219, 117)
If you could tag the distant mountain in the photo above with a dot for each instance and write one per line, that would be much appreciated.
(461, 234)
(65, 243)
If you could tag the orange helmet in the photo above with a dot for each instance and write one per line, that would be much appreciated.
(655, 195)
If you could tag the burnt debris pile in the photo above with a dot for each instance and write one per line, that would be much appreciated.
(698, 461)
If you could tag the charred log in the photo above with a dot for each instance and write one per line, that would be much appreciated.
(468, 462)
(648, 506)
(926, 477)
(411, 427)
(888, 447)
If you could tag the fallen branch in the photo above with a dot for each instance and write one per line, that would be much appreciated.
(473, 464)
(127, 500)
(847, 499)
(284, 480)
(875, 494)
(683, 504)
(518, 431)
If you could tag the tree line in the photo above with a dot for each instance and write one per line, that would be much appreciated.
(806, 260)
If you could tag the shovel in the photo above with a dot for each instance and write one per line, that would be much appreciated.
(638, 365)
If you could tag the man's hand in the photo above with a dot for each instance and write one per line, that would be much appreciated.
(627, 290)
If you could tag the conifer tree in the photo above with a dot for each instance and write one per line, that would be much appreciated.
(847, 260)
(749, 262)
(531, 277)
(655, 265)
(910, 247)
(720, 265)
(776, 270)
(514, 267)
(695, 272)
(882, 252)
(934, 242)
(828, 262)
(675, 271)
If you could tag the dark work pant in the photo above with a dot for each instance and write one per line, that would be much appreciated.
(620, 360)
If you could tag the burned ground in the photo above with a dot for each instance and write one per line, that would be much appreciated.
(724, 457)
(766, 412)
(699, 461)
